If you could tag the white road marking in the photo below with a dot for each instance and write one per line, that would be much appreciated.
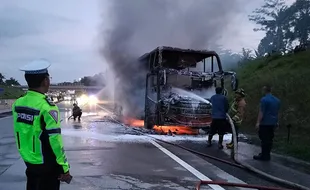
(195, 172)
(224, 175)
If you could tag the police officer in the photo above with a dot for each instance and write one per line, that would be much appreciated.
(37, 132)
(267, 121)
(236, 112)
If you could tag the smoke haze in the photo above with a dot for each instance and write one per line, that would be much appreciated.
(139, 26)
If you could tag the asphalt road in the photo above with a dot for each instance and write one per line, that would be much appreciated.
(106, 155)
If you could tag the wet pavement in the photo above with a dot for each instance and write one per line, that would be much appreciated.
(106, 155)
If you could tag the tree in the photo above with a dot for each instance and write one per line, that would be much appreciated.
(272, 18)
(266, 44)
(246, 55)
(300, 20)
(11, 82)
(2, 78)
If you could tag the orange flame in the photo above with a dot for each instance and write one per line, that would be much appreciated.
(180, 130)
(134, 122)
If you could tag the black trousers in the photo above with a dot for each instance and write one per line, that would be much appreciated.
(266, 135)
(77, 115)
(42, 180)
(218, 126)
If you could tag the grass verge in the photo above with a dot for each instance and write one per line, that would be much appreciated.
(10, 92)
(290, 77)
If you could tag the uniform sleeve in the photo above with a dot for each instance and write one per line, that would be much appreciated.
(52, 120)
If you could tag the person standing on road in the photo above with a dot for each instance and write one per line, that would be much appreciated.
(37, 132)
(236, 112)
(220, 107)
(267, 122)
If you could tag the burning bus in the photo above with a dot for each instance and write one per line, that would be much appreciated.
(178, 86)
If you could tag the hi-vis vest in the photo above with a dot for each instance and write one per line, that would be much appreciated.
(233, 112)
(37, 131)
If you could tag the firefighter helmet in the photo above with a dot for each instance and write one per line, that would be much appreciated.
(240, 91)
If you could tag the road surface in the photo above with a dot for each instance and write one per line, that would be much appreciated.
(106, 155)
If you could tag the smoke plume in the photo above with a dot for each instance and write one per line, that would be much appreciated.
(139, 26)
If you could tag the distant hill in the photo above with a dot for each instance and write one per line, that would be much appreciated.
(290, 77)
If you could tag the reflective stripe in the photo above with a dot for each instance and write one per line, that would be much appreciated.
(26, 110)
(234, 111)
(53, 131)
(233, 107)
(236, 119)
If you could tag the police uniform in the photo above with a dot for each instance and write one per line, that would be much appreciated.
(38, 135)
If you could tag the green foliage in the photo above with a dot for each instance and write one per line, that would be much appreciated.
(299, 14)
(11, 82)
(2, 78)
(10, 92)
(282, 24)
(289, 76)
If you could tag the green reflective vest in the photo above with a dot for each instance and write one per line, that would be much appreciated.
(37, 131)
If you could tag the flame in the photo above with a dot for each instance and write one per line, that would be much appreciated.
(134, 122)
(180, 130)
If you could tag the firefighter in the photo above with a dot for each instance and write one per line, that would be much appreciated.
(236, 112)
(37, 132)
(76, 112)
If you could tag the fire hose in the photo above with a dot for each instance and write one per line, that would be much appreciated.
(241, 165)
(236, 163)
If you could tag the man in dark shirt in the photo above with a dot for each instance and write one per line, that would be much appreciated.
(267, 121)
(220, 107)
(76, 112)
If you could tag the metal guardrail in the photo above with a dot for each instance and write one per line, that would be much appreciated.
(6, 104)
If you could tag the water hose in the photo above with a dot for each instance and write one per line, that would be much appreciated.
(220, 183)
(259, 172)
(237, 163)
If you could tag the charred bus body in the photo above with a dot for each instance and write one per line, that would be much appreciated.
(175, 76)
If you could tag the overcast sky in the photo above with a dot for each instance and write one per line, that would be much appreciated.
(66, 33)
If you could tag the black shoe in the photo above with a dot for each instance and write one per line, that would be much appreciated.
(261, 158)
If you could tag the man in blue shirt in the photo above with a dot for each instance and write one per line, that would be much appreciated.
(219, 123)
(267, 121)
